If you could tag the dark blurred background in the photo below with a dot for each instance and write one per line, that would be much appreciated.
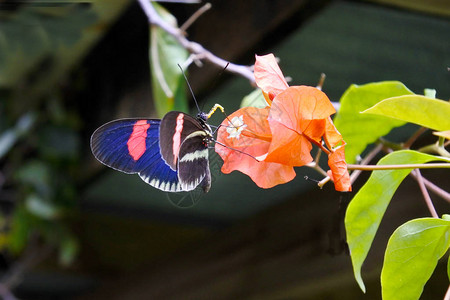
(74, 229)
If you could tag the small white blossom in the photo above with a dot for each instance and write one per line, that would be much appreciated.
(235, 127)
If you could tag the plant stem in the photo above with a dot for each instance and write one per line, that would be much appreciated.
(195, 16)
(425, 194)
(398, 167)
(5, 293)
(436, 148)
(323, 181)
(355, 174)
(414, 137)
(434, 188)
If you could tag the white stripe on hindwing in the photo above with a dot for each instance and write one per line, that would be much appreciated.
(196, 133)
(195, 155)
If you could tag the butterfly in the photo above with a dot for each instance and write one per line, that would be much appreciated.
(170, 154)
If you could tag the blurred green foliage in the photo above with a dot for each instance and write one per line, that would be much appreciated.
(40, 131)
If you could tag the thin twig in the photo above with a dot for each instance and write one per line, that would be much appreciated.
(434, 188)
(355, 174)
(316, 166)
(414, 137)
(195, 16)
(425, 194)
(398, 167)
(317, 158)
(321, 81)
(435, 148)
(323, 181)
(193, 47)
(33, 254)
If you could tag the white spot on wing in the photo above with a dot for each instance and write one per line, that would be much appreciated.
(163, 185)
(189, 186)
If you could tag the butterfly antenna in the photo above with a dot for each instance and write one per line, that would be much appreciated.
(190, 89)
(216, 79)
(311, 179)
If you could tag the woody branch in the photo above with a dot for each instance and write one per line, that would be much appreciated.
(194, 48)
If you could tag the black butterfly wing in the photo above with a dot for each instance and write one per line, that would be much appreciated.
(193, 162)
(184, 147)
(175, 127)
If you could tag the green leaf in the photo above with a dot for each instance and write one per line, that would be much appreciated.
(42, 208)
(254, 99)
(448, 268)
(10, 136)
(7, 140)
(38, 175)
(68, 250)
(360, 130)
(168, 83)
(421, 110)
(367, 208)
(411, 256)
(21, 227)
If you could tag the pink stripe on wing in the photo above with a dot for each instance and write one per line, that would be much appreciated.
(177, 137)
(136, 141)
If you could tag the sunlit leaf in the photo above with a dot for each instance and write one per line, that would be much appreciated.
(367, 208)
(411, 256)
(360, 130)
(421, 110)
(448, 268)
(254, 99)
(168, 83)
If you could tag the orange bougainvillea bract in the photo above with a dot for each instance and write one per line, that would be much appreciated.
(246, 149)
(267, 143)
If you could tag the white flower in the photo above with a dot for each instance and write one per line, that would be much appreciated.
(235, 127)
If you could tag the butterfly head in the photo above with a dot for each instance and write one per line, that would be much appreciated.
(202, 116)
